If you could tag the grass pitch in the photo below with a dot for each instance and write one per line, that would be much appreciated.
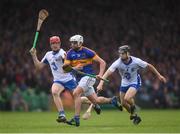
(153, 121)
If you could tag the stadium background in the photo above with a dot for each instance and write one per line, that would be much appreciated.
(151, 28)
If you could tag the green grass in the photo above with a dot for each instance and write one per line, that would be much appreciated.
(159, 121)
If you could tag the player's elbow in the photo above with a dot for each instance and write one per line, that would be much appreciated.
(38, 66)
(103, 63)
(150, 66)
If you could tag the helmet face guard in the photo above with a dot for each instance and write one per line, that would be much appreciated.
(76, 39)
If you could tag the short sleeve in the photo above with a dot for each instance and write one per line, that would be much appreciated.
(68, 58)
(114, 66)
(68, 55)
(141, 63)
(63, 54)
(90, 53)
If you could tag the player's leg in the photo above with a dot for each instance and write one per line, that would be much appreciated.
(76, 92)
(70, 86)
(123, 103)
(98, 99)
(114, 101)
(87, 114)
(87, 84)
(122, 92)
(92, 96)
(56, 90)
(77, 100)
(94, 99)
(128, 98)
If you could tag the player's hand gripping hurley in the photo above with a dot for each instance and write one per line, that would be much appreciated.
(43, 14)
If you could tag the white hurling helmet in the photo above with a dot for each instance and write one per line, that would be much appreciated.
(77, 38)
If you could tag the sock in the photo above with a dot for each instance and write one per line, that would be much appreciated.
(62, 113)
(132, 108)
(77, 117)
(96, 106)
(113, 101)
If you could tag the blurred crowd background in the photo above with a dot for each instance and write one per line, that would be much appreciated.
(151, 28)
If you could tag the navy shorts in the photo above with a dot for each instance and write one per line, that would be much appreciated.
(70, 85)
(124, 89)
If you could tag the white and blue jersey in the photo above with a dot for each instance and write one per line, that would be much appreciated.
(55, 61)
(129, 72)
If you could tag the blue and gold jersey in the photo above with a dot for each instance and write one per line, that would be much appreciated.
(84, 57)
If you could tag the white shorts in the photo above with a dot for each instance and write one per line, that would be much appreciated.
(86, 83)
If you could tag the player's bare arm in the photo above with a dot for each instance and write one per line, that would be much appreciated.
(77, 67)
(102, 65)
(154, 70)
(105, 76)
(39, 65)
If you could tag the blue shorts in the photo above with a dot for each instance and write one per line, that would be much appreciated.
(70, 85)
(124, 89)
(136, 86)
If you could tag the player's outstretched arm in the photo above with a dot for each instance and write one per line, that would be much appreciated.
(154, 70)
(105, 76)
(39, 65)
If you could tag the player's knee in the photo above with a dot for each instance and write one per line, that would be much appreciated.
(127, 99)
(55, 93)
(98, 100)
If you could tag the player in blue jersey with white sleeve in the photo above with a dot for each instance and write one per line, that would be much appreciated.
(61, 80)
(128, 67)
(81, 58)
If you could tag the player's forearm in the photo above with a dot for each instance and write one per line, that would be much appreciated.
(105, 76)
(37, 63)
(102, 68)
(153, 69)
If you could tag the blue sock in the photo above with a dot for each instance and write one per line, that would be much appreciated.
(77, 117)
(62, 113)
(113, 101)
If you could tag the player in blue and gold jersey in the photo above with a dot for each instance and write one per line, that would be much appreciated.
(81, 58)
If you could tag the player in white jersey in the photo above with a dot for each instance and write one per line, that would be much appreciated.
(128, 67)
(61, 80)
